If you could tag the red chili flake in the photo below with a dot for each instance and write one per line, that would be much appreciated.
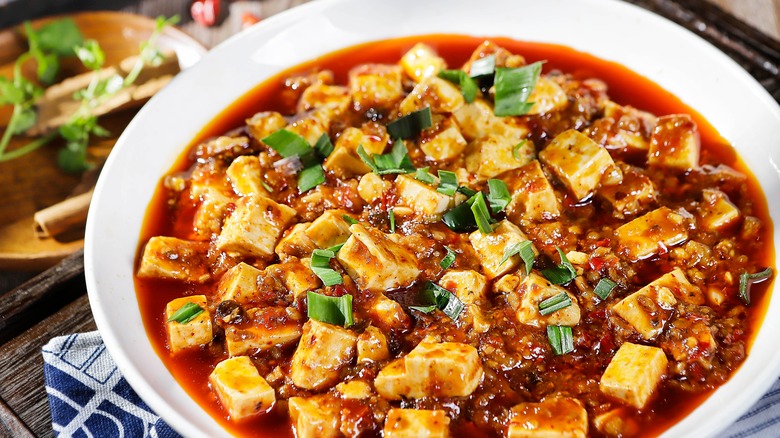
(339, 290)
(605, 242)
(248, 19)
(205, 12)
(596, 263)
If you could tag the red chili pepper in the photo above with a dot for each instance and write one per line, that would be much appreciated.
(205, 12)
(596, 263)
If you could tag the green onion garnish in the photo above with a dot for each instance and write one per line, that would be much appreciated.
(331, 310)
(310, 177)
(483, 66)
(554, 303)
(498, 196)
(320, 265)
(287, 143)
(266, 186)
(561, 274)
(513, 87)
(745, 280)
(397, 161)
(424, 176)
(448, 259)
(391, 213)
(410, 125)
(461, 218)
(349, 219)
(323, 146)
(526, 251)
(468, 86)
(448, 182)
(481, 214)
(516, 150)
(604, 287)
(467, 191)
(336, 248)
(434, 296)
(561, 339)
(186, 313)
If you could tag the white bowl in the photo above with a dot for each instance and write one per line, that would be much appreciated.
(679, 61)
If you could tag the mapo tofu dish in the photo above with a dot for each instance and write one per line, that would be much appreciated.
(438, 237)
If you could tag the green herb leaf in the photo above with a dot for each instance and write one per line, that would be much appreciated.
(25, 119)
(349, 219)
(73, 157)
(336, 248)
(320, 265)
(468, 86)
(287, 143)
(461, 218)
(330, 310)
(91, 55)
(10, 94)
(485, 66)
(513, 87)
(481, 214)
(448, 259)
(561, 339)
(554, 303)
(410, 125)
(434, 296)
(561, 274)
(604, 287)
(310, 177)
(448, 182)
(526, 251)
(467, 191)
(186, 313)
(266, 186)
(391, 213)
(745, 280)
(59, 37)
(516, 150)
(424, 176)
(397, 161)
(48, 66)
(323, 146)
(498, 196)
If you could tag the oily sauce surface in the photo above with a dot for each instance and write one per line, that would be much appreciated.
(192, 369)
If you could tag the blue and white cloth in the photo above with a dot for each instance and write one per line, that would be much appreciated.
(90, 398)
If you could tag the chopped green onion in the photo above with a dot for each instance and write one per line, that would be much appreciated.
(561, 274)
(516, 150)
(513, 86)
(481, 214)
(468, 87)
(437, 297)
(323, 146)
(287, 143)
(336, 248)
(604, 287)
(310, 177)
(561, 339)
(391, 213)
(320, 265)
(448, 259)
(745, 280)
(186, 313)
(331, 310)
(554, 303)
(526, 251)
(467, 191)
(397, 161)
(448, 182)
(483, 66)
(349, 219)
(498, 196)
(410, 125)
(266, 186)
(424, 176)
(461, 218)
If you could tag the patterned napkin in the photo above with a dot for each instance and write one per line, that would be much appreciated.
(89, 398)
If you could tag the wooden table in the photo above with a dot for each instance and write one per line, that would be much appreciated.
(54, 303)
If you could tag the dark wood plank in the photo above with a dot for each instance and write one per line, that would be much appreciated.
(21, 364)
(11, 425)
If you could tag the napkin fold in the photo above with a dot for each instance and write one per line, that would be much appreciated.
(90, 398)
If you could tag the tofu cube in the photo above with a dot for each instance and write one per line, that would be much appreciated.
(193, 333)
(632, 195)
(547, 96)
(616, 423)
(265, 123)
(344, 161)
(323, 350)
(533, 198)
(471, 288)
(558, 417)
(323, 96)
(447, 369)
(372, 345)
(503, 57)
(295, 243)
(240, 283)
(626, 128)
(376, 262)
(416, 423)
(649, 308)
(371, 187)
(422, 198)
(354, 390)
(244, 174)
(297, 276)
(475, 119)
(377, 86)
(387, 314)
(646, 235)
(440, 95)
(490, 248)
(329, 229)
(634, 373)
(506, 150)
(213, 201)
(255, 226)
(444, 141)
(312, 125)
(716, 212)
(269, 327)
(422, 62)
(675, 143)
(577, 161)
(240, 388)
(175, 259)
(679, 285)
(534, 289)
(315, 417)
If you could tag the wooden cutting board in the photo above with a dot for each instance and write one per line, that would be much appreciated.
(34, 181)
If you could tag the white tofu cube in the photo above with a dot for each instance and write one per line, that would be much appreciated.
(616, 423)
(475, 119)
(503, 57)
(295, 243)
(376, 262)
(213, 200)
(240, 283)
(443, 141)
(623, 128)
(323, 350)
(648, 309)
(354, 390)
(269, 327)
(344, 161)
(506, 150)
(577, 161)
(547, 96)
(387, 314)
(646, 235)
(371, 187)
(491, 247)
(240, 388)
(675, 143)
(193, 333)
(372, 345)
(422, 62)
(329, 229)
(315, 417)
(422, 198)
(440, 95)
(533, 198)
(447, 369)
(297, 276)
(265, 123)
(244, 174)
(553, 417)
(632, 195)
(532, 290)
(416, 423)
(311, 126)
(320, 95)
(679, 285)
(634, 373)
(376, 86)
(716, 212)
(255, 226)
(471, 288)
(175, 259)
